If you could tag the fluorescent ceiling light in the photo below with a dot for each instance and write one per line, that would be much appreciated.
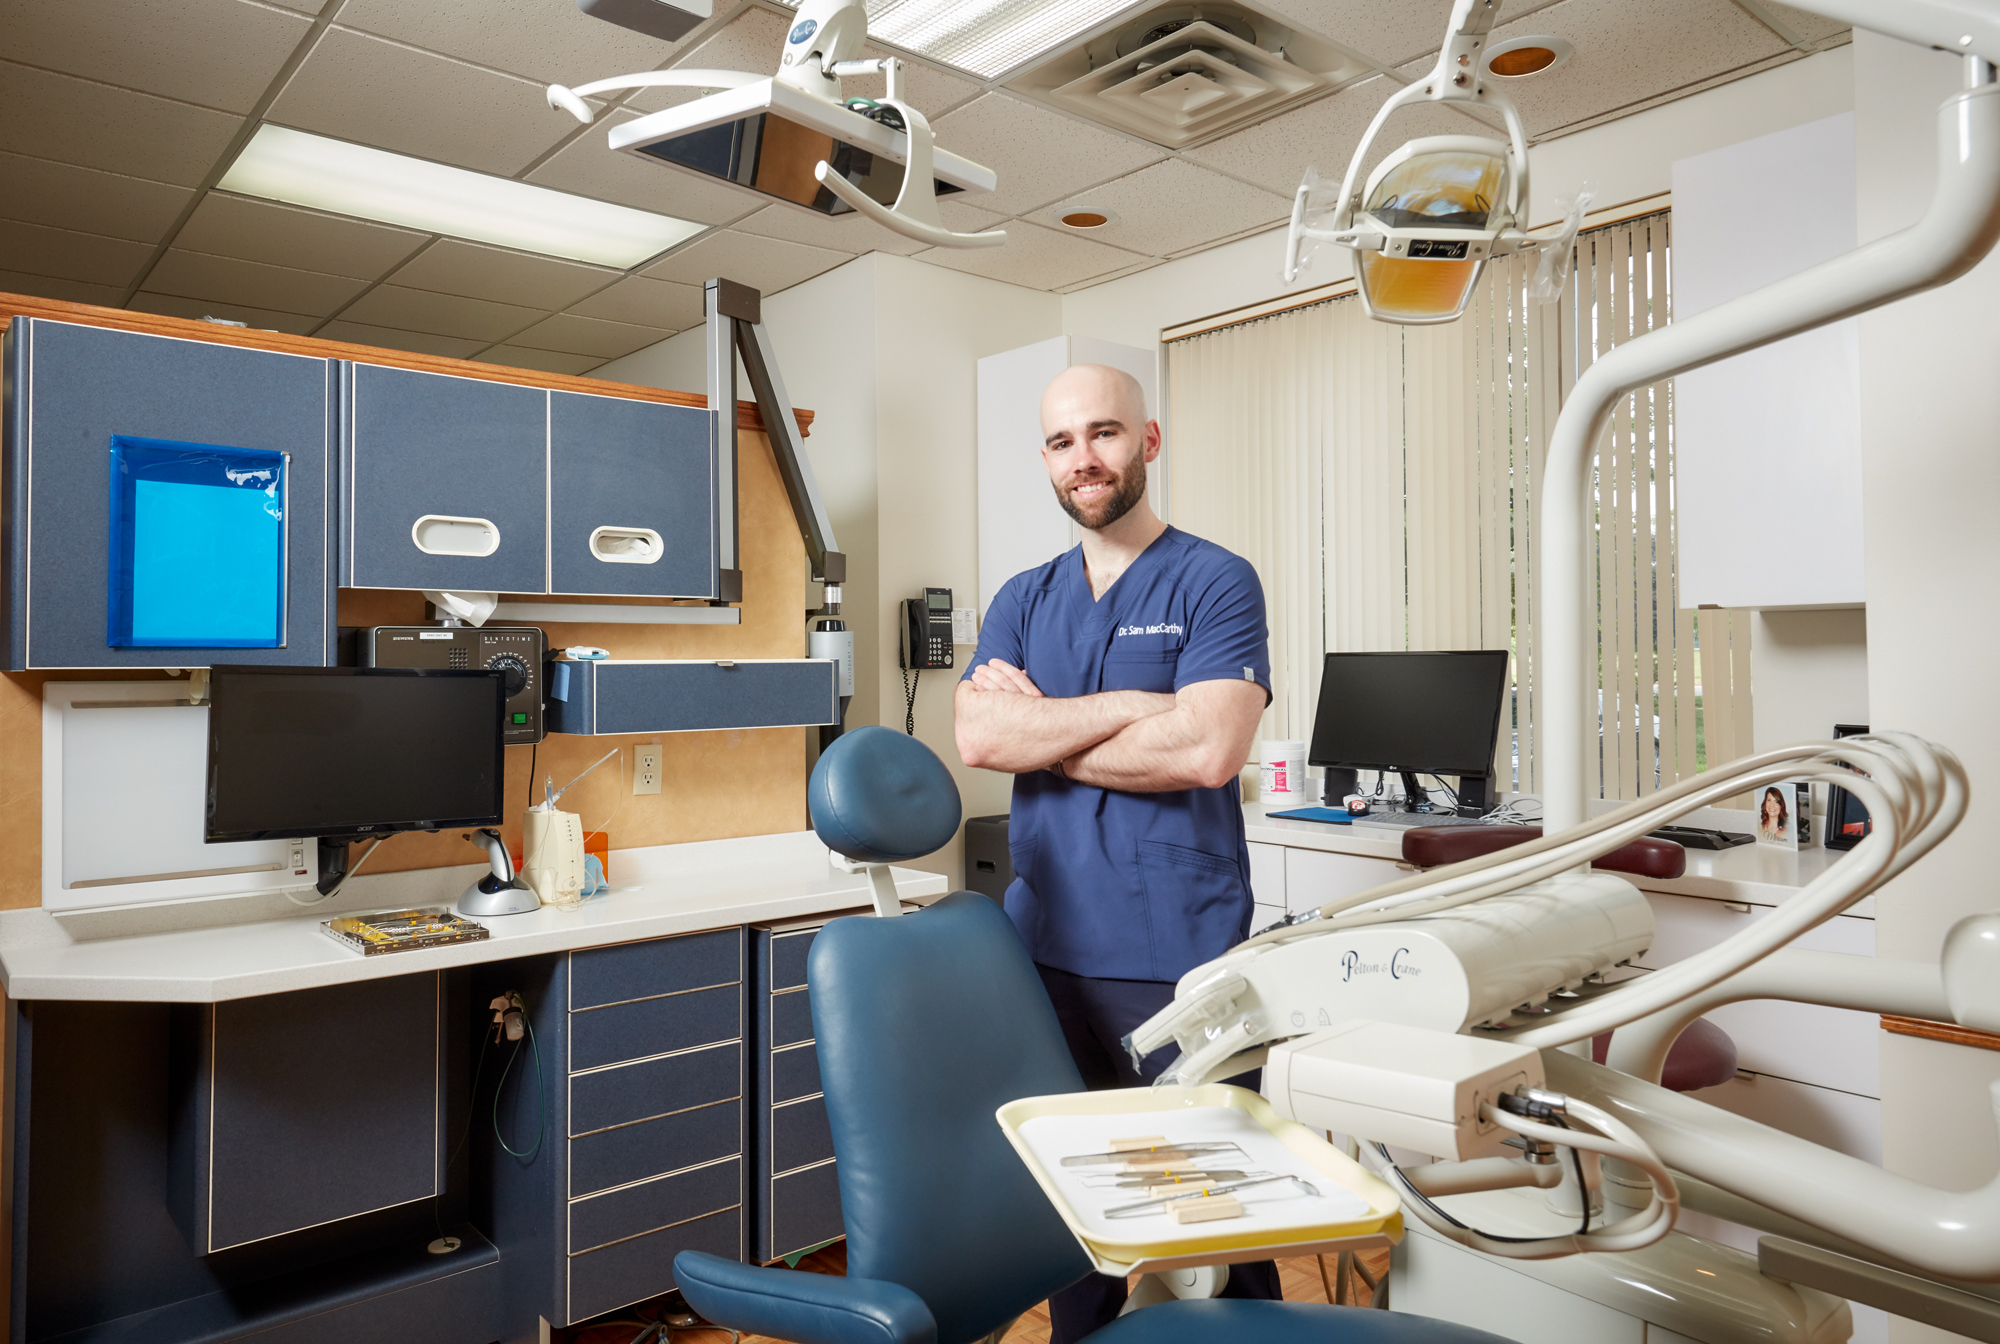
(986, 37)
(281, 164)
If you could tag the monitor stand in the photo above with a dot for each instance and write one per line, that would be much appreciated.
(1415, 798)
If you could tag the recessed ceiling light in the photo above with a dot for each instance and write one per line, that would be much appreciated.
(1095, 217)
(281, 164)
(1519, 57)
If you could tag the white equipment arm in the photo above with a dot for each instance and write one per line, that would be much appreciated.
(571, 100)
(916, 213)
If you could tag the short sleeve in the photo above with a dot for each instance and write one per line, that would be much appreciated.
(1001, 634)
(1227, 639)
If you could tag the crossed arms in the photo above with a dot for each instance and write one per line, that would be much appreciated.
(1132, 741)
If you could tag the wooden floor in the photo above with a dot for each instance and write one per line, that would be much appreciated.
(1300, 1277)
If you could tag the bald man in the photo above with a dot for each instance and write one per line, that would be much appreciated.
(1121, 685)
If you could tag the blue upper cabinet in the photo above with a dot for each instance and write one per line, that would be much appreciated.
(444, 483)
(163, 501)
(631, 498)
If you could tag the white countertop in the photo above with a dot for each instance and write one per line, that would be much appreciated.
(667, 889)
(1748, 874)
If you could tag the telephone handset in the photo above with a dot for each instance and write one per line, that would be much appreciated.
(927, 630)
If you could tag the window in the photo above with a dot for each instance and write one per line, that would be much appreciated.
(1384, 481)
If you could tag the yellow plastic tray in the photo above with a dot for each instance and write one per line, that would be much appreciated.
(1199, 1243)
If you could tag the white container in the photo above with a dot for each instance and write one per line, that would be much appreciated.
(1282, 778)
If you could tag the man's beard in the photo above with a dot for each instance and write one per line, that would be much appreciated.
(1127, 489)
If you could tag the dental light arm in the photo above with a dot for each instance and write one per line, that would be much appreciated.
(572, 100)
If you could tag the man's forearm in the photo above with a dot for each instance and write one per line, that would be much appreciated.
(997, 730)
(1201, 745)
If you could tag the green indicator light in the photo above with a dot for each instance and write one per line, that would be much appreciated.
(520, 718)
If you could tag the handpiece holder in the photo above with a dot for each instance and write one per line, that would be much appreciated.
(499, 892)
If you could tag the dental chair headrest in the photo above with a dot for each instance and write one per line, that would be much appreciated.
(878, 796)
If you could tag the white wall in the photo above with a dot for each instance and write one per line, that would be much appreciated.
(883, 351)
(1930, 435)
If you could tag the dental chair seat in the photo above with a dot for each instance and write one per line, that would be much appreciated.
(926, 1023)
(1435, 846)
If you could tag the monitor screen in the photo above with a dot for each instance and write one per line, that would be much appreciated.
(303, 751)
(1429, 713)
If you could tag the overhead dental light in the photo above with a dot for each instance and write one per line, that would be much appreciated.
(1435, 211)
(792, 137)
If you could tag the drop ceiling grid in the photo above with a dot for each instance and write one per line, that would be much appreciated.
(459, 80)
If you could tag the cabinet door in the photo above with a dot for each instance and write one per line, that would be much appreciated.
(444, 483)
(69, 389)
(631, 498)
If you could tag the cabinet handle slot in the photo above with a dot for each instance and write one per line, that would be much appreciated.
(627, 545)
(442, 534)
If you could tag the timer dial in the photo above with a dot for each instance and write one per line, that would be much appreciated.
(513, 672)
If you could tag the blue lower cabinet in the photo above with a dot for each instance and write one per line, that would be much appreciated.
(795, 1185)
(642, 1150)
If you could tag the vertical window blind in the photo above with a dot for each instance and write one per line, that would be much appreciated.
(1384, 481)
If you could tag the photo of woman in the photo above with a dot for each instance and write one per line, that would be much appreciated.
(1774, 819)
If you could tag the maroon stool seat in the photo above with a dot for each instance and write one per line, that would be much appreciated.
(1702, 1056)
(1435, 846)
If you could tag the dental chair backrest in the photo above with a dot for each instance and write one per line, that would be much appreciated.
(925, 1026)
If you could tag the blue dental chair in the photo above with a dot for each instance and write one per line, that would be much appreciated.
(927, 1023)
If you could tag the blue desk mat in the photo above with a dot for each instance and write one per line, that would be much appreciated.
(1325, 814)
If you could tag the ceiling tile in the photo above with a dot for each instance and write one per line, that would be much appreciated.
(842, 233)
(69, 255)
(550, 43)
(262, 319)
(1034, 257)
(440, 314)
(1388, 34)
(1173, 206)
(754, 41)
(1039, 155)
(1806, 26)
(449, 266)
(362, 88)
(54, 287)
(588, 336)
(219, 53)
(387, 338)
(51, 116)
(196, 275)
(68, 197)
(283, 235)
(588, 168)
(303, 6)
(646, 302)
(1627, 54)
(1274, 154)
(765, 264)
(547, 361)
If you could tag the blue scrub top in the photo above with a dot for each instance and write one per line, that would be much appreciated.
(1130, 886)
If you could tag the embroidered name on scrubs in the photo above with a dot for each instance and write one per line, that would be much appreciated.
(1131, 886)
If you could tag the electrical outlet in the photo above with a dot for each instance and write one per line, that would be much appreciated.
(646, 768)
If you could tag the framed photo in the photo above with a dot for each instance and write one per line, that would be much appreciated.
(1847, 821)
(1783, 814)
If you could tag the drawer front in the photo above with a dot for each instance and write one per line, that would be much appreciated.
(630, 465)
(615, 1157)
(602, 975)
(795, 1073)
(651, 1205)
(791, 1018)
(686, 697)
(629, 1092)
(800, 1134)
(804, 1210)
(1313, 877)
(631, 1271)
(614, 1034)
(788, 959)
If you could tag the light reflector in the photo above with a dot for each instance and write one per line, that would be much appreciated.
(281, 164)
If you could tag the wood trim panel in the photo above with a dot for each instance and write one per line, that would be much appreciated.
(1948, 1032)
(23, 305)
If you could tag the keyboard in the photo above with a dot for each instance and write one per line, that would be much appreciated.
(1404, 821)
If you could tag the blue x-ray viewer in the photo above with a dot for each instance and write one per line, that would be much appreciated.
(197, 546)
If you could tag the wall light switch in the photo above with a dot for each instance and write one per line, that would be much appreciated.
(646, 768)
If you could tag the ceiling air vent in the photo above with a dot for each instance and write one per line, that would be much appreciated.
(1181, 74)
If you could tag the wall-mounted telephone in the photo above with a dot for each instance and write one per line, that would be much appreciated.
(927, 630)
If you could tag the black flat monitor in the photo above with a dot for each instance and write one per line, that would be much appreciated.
(347, 752)
(1414, 713)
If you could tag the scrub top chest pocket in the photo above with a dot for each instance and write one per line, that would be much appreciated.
(1141, 662)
